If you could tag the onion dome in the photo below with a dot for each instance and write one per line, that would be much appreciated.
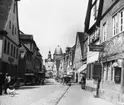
(58, 51)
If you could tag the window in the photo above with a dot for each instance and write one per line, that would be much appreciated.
(14, 52)
(104, 32)
(118, 22)
(117, 76)
(8, 50)
(9, 24)
(96, 7)
(121, 18)
(11, 50)
(13, 29)
(115, 24)
(5, 45)
(17, 53)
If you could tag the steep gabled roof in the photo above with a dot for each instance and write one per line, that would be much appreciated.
(5, 7)
(80, 35)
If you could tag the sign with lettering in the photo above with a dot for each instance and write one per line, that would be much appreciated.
(98, 48)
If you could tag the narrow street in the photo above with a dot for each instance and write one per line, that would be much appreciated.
(28, 95)
(52, 93)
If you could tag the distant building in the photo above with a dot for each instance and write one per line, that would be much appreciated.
(49, 65)
(57, 57)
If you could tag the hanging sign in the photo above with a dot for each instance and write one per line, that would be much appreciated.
(93, 47)
(97, 70)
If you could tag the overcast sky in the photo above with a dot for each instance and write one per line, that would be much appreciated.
(52, 22)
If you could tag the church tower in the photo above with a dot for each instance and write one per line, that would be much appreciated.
(49, 65)
(57, 57)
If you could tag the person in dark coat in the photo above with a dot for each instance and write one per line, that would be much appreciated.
(7, 82)
(83, 81)
(1, 82)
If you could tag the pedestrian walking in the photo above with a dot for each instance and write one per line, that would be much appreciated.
(83, 81)
(7, 82)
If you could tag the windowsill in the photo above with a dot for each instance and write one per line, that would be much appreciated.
(117, 35)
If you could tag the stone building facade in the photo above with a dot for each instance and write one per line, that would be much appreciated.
(9, 37)
(112, 37)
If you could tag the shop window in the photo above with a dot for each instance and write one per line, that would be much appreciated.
(117, 76)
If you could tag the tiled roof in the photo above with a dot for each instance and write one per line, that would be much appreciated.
(5, 7)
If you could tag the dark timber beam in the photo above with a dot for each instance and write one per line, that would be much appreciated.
(100, 9)
(87, 18)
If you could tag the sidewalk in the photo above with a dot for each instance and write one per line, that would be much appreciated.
(76, 96)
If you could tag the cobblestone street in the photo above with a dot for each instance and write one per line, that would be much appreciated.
(34, 95)
(52, 93)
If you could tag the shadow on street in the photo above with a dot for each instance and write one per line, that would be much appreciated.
(28, 87)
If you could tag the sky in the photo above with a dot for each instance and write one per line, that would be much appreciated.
(52, 22)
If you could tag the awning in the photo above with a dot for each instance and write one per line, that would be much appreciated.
(82, 68)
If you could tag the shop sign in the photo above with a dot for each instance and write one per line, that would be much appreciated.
(93, 47)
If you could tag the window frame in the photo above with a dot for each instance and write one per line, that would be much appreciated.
(118, 22)
(104, 31)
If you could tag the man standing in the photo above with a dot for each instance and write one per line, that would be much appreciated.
(83, 81)
(7, 82)
(1, 82)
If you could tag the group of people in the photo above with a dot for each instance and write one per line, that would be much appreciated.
(4, 83)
